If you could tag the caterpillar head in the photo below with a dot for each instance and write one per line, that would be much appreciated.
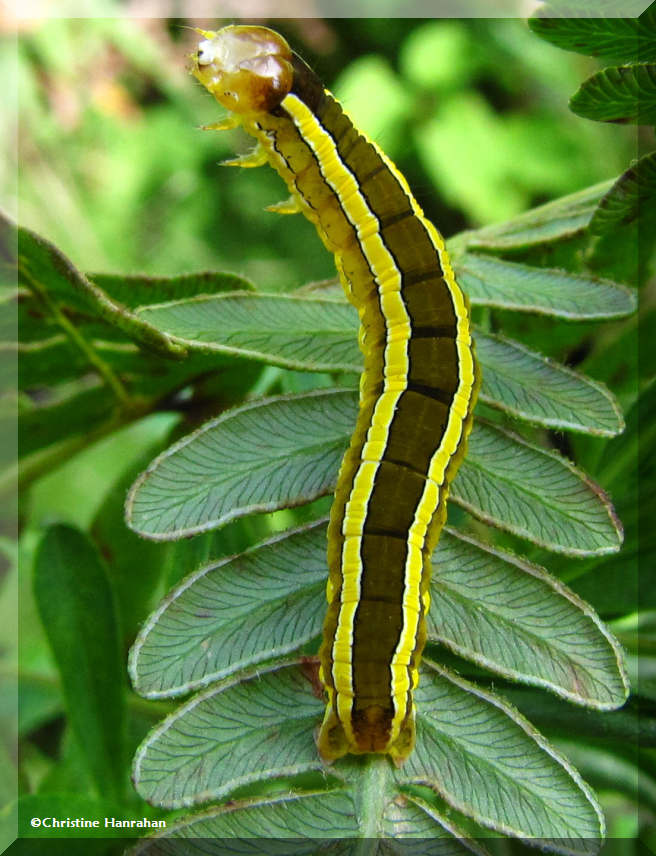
(247, 69)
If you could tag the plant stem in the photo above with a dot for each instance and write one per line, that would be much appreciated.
(103, 369)
(372, 800)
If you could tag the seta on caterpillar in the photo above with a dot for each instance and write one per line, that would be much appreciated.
(417, 390)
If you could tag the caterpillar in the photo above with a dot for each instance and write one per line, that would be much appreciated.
(417, 390)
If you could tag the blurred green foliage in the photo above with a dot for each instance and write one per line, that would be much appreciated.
(108, 135)
(114, 170)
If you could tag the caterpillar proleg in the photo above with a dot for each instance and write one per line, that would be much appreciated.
(417, 391)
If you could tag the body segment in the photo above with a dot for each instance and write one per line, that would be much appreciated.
(417, 393)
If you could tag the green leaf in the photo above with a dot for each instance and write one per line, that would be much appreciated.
(610, 772)
(562, 218)
(37, 326)
(625, 583)
(624, 93)
(40, 701)
(295, 332)
(54, 362)
(632, 724)
(484, 758)
(601, 8)
(621, 39)
(77, 608)
(628, 197)
(254, 607)
(287, 451)
(490, 281)
(44, 269)
(238, 732)
(510, 616)
(140, 290)
(9, 769)
(123, 551)
(259, 457)
(318, 334)
(294, 824)
(478, 753)
(127, 291)
(408, 816)
(535, 494)
(436, 56)
(327, 815)
(530, 386)
(302, 331)
(48, 362)
(43, 425)
(232, 614)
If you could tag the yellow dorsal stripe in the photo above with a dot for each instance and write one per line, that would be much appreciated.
(383, 267)
(382, 264)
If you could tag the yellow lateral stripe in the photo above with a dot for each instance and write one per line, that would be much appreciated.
(437, 468)
(395, 373)
(449, 444)
(383, 266)
(436, 472)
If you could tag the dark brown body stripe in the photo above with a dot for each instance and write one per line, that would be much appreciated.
(417, 425)
(419, 422)
(393, 481)
(429, 302)
(415, 433)
(436, 331)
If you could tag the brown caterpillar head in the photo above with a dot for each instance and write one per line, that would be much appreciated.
(247, 69)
